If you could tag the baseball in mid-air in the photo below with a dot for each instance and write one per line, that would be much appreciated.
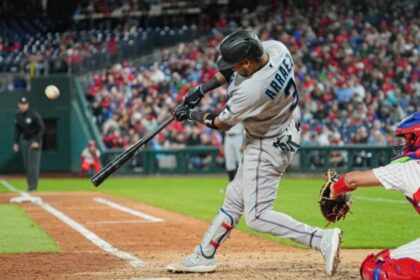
(52, 92)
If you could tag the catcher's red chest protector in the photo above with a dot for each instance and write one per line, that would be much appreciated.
(382, 267)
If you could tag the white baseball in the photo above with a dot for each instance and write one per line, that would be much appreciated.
(52, 92)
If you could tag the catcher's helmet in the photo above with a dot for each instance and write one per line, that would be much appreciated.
(409, 128)
(238, 46)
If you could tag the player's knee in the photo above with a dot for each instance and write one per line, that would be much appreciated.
(233, 212)
(254, 223)
(257, 222)
(251, 223)
(381, 266)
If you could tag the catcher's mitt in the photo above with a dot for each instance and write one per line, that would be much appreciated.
(333, 209)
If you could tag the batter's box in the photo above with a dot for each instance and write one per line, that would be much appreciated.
(128, 210)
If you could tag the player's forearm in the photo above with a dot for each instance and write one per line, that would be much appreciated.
(224, 75)
(353, 180)
(194, 96)
(220, 125)
(208, 119)
(213, 83)
(358, 179)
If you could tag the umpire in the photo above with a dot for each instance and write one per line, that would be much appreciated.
(29, 124)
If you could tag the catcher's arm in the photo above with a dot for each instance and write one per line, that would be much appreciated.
(353, 180)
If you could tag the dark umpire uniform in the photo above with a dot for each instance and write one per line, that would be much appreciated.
(29, 124)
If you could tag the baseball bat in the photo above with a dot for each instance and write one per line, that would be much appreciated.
(128, 154)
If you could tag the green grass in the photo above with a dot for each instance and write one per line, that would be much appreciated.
(3, 189)
(19, 234)
(373, 224)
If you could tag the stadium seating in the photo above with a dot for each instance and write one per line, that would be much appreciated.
(357, 71)
(355, 79)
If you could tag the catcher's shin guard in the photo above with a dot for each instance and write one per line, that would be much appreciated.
(217, 232)
(381, 266)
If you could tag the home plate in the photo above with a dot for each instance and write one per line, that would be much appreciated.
(21, 199)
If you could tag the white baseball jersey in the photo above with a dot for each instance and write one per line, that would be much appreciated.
(264, 102)
(401, 176)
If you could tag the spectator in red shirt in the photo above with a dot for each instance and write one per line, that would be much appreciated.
(90, 159)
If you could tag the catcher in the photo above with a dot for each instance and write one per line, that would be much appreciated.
(402, 174)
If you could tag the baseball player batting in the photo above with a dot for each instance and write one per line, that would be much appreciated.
(402, 174)
(263, 96)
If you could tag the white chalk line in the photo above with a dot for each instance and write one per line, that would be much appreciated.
(158, 278)
(132, 260)
(388, 200)
(128, 210)
(117, 222)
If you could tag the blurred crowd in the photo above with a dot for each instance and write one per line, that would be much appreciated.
(357, 69)
(28, 45)
(108, 7)
(128, 101)
(46, 37)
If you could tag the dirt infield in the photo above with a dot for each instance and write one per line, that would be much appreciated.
(156, 243)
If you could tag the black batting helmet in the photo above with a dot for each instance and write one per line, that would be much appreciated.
(238, 46)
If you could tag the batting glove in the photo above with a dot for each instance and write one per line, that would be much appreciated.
(193, 97)
(182, 113)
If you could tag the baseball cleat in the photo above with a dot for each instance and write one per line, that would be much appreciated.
(330, 249)
(194, 263)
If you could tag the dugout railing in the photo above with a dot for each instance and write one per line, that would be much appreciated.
(204, 159)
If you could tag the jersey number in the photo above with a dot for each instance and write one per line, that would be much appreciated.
(291, 89)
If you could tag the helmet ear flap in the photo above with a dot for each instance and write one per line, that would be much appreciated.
(408, 142)
(416, 141)
(411, 141)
